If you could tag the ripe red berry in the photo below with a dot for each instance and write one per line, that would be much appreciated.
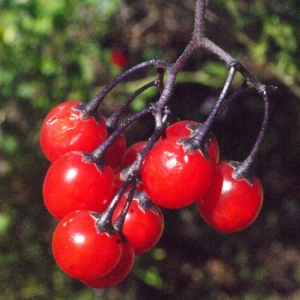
(81, 250)
(73, 183)
(64, 130)
(180, 128)
(144, 222)
(131, 153)
(230, 204)
(115, 152)
(118, 273)
(173, 178)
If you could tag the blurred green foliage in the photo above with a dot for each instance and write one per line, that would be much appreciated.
(55, 50)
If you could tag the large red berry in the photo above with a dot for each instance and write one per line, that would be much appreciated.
(73, 183)
(230, 204)
(118, 273)
(144, 222)
(173, 178)
(83, 251)
(64, 130)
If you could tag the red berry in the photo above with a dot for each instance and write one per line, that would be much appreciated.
(118, 273)
(81, 250)
(144, 222)
(180, 128)
(230, 204)
(173, 178)
(131, 153)
(64, 130)
(115, 152)
(73, 183)
(119, 57)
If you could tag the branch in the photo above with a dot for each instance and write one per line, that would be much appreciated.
(199, 27)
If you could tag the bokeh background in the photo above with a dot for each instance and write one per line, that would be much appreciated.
(51, 51)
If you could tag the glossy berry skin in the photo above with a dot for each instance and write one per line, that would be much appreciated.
(173, 178)
(131, 153)
(72, 183)
(118, 273)
(144, 223)
(83, 252)
(230, 204)
(64, 130)
(182, 129)
(115, 152)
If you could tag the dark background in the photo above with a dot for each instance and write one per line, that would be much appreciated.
(55, 50)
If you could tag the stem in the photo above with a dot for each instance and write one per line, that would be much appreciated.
(158, 109)
(199, 27)
(229, 60)
(160, 80)
(167, 89)
(242, 170)
(93, 105)
(105, 219)
(112, 121)
(232, 97)
(98, 154)
(197, 139)
(118, 224)
(137, 164)
(135, 167)
(212, 47)
(208, 123)
(173, 70)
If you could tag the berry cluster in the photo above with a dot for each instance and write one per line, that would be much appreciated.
(96, 239)
(108, 197)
